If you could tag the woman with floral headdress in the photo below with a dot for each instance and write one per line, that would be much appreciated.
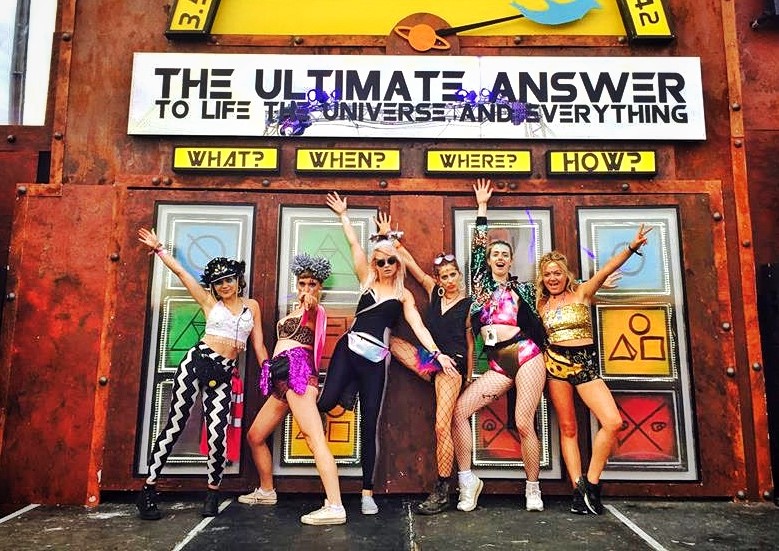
(447, 318)
(207, 367)
(292, 379)
(361, 357)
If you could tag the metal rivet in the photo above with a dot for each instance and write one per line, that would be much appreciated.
(265, 182)
(10, 138)
(725, 326)
(622, 39)
(746, 243)
(766, 494)
(717, 216)
(167, 181)
(756, 367)
(383, 184)
(741, 494)
(103, 381)
(58, 135)
(730, 372)
(66, 37)
(517, 40)
(10, 297)
(738, 143)
(212, 39)
(92, 499)
(297, 41)
(625, 186)
(114, 257)
(500, 185)
(735, 106)
(156, 181)
(513, 185)
(21, 190)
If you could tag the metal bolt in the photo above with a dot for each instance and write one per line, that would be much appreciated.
(167, 181)
(746, 243)
(21, 190)
(717, 216)
(156, 181)
(738, 143)
(212, 39)
(766, 494)
(114, 257)
(517, 40)
(297, 41)
(725, 326)
(10, 297)
(741, 494)
(103, 380)
(625, 186)
(265, 182)
(513, 186)
(736, 106)
(66, 37)
(58, 135)
(10, 138)
(383, 184)
(756, 367)
(730, 372)
(622, 39)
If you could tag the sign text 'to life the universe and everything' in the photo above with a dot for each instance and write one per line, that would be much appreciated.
(457, 97)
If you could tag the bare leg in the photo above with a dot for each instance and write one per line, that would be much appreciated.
(483, 390)
(561, 395)
(268, 418)
(530, 381)
(306, 414)
(598, 398)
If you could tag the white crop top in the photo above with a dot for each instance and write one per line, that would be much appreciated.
(228, 327)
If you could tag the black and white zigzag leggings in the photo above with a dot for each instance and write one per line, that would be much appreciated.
(216, 406)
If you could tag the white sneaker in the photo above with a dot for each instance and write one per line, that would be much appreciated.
(259, 497)
(368, 506)
(533, 501)
(469, 494)
(329, 514)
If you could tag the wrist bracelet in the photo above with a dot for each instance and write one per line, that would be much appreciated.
(635, 251)
(344, 218)
(160, 251)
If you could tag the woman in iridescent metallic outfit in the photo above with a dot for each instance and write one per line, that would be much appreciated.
(502, 313)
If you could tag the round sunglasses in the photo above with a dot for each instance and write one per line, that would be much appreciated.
(391, 260)
(443, 258)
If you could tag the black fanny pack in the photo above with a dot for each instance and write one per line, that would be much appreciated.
(209, 371)
(279, 368)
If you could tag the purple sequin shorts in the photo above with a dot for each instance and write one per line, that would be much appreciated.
(292, 369)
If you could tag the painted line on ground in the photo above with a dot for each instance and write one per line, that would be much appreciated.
(200, 526)
(21, 511)
(412, 544)
(653, 543)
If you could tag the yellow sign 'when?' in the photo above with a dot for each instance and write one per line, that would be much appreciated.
(347, 160)
(225, 159)
(460, 160)
(601, 162)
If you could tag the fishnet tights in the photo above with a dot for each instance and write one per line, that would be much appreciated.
(447, 389)
(489, 387)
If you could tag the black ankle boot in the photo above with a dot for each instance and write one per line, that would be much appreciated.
(436, 502)
(591, 493)
(147, 503)
(211, 504)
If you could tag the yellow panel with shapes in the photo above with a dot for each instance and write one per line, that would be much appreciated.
(340, 432)
(635, 341)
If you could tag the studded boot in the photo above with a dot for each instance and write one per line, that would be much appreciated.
(147, 503)
(437, 501)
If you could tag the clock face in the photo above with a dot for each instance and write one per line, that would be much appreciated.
(379, 17)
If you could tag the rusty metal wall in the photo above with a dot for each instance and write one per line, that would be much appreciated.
(81, 281)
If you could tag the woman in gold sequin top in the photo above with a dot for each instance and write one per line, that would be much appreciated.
(571, 360)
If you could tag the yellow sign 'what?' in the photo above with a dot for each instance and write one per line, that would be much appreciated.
(459, 160)
(225, 159)
(347, 160)
(601, 162)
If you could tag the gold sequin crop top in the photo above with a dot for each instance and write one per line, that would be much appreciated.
(568, 322)
(290, 328)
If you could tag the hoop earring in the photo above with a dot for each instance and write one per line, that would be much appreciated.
(441, 291)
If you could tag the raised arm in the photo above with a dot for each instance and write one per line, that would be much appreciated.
(201, 295)
(360, 260)
(384, 225)
(591, 286)
(480, 276)
(256, 336)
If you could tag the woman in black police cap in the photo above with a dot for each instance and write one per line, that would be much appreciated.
(207, 367)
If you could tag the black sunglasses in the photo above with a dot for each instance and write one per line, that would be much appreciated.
(443, 258)
(391, 260)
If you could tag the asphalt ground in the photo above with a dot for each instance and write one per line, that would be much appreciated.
(499, 522)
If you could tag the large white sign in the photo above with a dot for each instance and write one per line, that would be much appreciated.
(601, 98)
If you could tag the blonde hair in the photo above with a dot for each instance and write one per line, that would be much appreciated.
(387, 248)
(542, 293)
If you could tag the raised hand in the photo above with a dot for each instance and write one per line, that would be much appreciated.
(640, 239)
(483, 190)
(383, 223)
(148, 238)
(335, 202)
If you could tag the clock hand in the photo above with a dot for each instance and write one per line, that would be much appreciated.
(448, 31)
